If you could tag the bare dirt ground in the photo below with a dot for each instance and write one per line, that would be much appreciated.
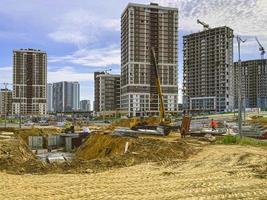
(216, 172)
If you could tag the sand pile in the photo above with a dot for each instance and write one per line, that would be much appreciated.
(24, 133)
(15, 156)
(100, 146)
(110, 150)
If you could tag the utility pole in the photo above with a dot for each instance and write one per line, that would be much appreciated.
(5, 101)
(20, 117)
(239, 40)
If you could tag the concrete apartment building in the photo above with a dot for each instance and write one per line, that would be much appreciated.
(29, 82)
(50, 97)
(85, 105)
(66, 96)
(5, 102)
(108, 86)
(208, 70)
(97, 91)
(144, 27)
(254, 83)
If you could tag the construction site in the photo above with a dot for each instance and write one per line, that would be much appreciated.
(151, 150)
(118, 161)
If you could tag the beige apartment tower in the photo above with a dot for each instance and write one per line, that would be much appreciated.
(5, 102)
(144, 27)
(208, 70)
(29, 82)
(108, 91)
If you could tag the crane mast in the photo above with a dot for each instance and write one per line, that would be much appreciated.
(159, 90)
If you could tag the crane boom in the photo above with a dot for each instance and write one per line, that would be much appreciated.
(159, 90)
(261, 48)
(206, 26)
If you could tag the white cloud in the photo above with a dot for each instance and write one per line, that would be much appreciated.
(247, 18)
(6, 74)
(81, 28)
(91, 57)
(113, 24)
(68, 74)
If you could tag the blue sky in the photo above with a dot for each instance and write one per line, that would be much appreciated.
(83, 36)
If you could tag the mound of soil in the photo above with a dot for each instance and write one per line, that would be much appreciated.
(15, 156)
(98, 153)
(109, 151)
(129, 122)
(24, 133)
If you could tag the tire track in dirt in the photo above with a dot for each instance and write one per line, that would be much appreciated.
(217, 172)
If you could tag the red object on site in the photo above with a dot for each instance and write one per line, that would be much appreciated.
(213, 123)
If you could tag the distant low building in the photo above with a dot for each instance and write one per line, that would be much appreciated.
(5, 101)
(66, 96)
(107, 87)
(97, 91)
(85, 105)
(50, 97)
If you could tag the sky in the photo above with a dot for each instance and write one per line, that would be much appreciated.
(83, 36)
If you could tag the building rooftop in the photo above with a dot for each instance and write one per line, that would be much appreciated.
(151, 5)
(73, 82)
(211, 29)
(108, 75)
(29, 50)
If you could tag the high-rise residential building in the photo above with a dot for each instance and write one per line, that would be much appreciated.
(85, 105)
(66, 96)
(109, 92)
(144, 27)
(254, 83)
(5, 102)
(29, 82)
(97, 91)
(208, 70)
(50, 97)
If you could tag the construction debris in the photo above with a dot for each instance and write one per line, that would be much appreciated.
(210, 138)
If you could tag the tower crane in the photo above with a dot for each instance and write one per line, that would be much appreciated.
(205, 26)
(107, 70)
(261, 48)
